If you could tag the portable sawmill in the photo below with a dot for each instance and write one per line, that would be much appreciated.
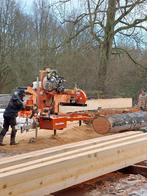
(45, 96)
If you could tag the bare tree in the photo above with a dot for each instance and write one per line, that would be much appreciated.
(46, 32)
(105, 20)
(7, 15)
(76, 37)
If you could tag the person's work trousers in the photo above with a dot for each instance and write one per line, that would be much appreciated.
(9, 121)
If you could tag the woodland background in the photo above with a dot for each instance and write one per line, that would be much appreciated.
(66, 37)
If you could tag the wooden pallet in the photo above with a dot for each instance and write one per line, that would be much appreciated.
(53, 169)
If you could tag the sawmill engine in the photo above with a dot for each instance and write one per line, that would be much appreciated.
(53, 82)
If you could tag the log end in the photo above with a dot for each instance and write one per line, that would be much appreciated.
(101, 125)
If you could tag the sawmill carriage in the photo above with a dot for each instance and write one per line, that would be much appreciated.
(44, 98)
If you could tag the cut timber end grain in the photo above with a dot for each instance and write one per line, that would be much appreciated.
(101, 125)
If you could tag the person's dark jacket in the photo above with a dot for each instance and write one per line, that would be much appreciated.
(14, 106)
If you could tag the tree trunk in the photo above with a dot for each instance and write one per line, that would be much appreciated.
(120, 122)
(106, 47)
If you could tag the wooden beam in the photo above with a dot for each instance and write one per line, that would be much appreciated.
(72, 152)
(53, 174)
(93, 104)
(9, 161)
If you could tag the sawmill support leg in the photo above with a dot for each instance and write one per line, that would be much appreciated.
(80, 122)
(36, 133)
(55, 132)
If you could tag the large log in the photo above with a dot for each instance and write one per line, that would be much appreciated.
(120, 122)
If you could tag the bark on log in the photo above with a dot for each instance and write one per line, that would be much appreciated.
(120, 122)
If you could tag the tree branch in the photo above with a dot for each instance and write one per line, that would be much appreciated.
(131, 58)
(67, 40)
(78, 19)
(64, 1)
(134, 24)
(129, 10)
(128, 34)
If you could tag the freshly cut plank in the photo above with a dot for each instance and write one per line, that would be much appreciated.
(93, 104)
(54, 172)
(9, 161)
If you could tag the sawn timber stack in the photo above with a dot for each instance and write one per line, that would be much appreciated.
(53, 169)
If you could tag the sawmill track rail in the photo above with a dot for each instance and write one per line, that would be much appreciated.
(46, 171)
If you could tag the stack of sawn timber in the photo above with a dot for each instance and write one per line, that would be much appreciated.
(49, 170)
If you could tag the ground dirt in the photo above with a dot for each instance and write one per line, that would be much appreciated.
(109, 185)
(46, 139)
(72, 133)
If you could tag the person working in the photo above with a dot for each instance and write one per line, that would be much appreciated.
(14, 106)
(142, 100)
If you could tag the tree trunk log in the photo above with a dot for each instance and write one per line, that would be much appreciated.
(120, 122)
(106, 47)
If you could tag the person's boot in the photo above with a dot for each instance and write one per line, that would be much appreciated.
(13, 136)
(12, 141)
(1, 140)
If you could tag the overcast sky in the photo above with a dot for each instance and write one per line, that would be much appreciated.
(26, 2)
(26, 6)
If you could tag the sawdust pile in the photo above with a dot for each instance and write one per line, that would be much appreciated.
(46, 139)
(71, 134)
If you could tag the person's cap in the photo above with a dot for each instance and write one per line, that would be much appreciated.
(21, 92)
